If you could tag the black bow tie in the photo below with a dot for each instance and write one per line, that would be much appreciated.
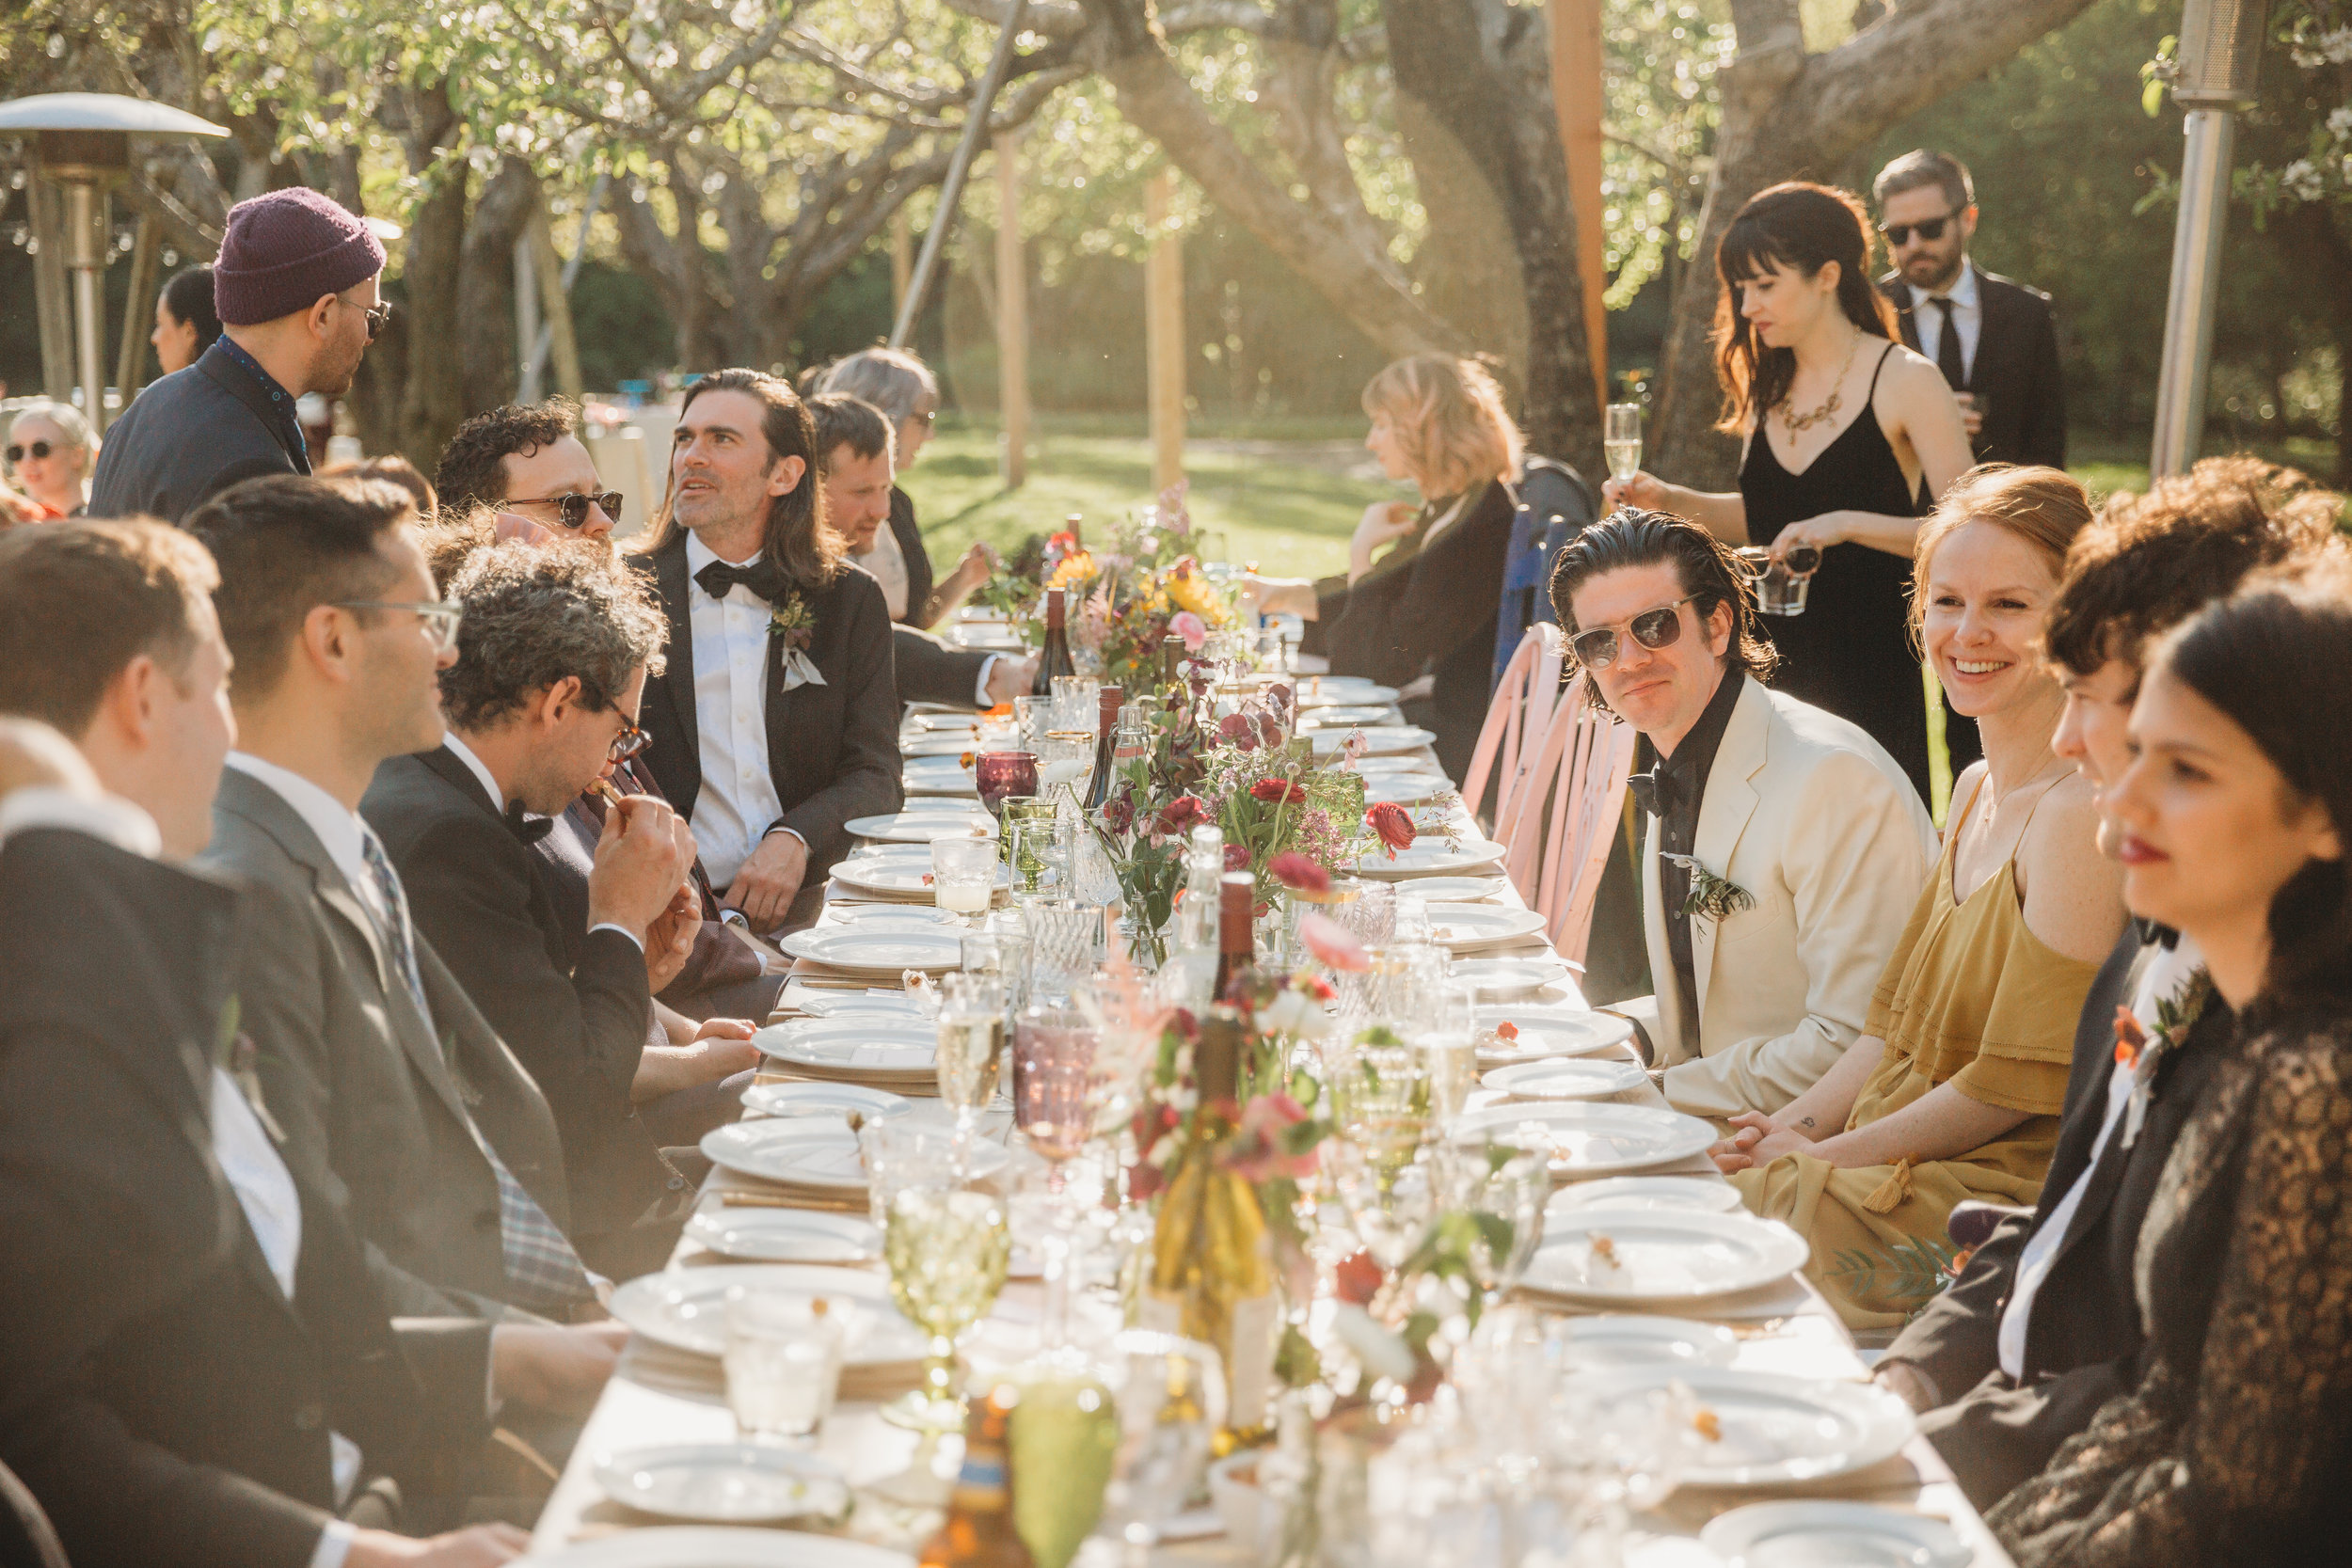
(530, 830)
(2162, 935)
(1656, 791)
(762, 577)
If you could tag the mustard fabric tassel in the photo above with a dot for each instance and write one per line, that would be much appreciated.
(1890, 1194)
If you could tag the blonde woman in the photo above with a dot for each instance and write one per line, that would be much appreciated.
(1955, 1087)
(1421, 617)
(52, 453)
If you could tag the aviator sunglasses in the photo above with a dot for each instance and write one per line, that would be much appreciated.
(1598, 649)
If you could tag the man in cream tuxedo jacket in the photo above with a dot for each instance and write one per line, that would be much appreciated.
(1784, 847)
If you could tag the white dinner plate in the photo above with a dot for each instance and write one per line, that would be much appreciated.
(1503, 979)
(835, 1101)
(728, 1483)
(1705, 1195)
(1660, 1255)
(1560, 1078)
(902, 876)
(1772, 1431)
(894, 916)
(937, 777)
(921, 827)
(1346, 714)
(1342, 691)
(944, 724)
(1812, 1534)
(879, 950)
(1436, 858)
(1406, 789)
(864, 1041)
(896, 1005)
(797, 1149)
(934, 745)
(1462, 928)
(1614, 1340)
(1546, 1032)
(1386, 740)
(686, 1308)
(786, 1236)
(717, 1546)
(1596, 1140)
(1458, 890)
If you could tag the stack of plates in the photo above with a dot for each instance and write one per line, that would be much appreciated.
(1458, 890)
(1467, 928)
(731, 1483)
(687, 1309)
(882, 1052)
(898, 871)
(876, 950)
(923, 821)
(828, 1101)
(1624, 1257)
(1596, 1140)
(1504, 978)
(786, 1236)
(816, 1162)
(937, 776)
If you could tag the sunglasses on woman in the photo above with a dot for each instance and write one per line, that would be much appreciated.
(1899, 234)
(39, 449)
(573, 509)
(1598, 649)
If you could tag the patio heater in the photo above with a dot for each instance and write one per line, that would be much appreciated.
(82, 144)
(2221, 54)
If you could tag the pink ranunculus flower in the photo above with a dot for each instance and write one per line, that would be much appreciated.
(1393, 823)
(1334, 944)
(1259, 1155)
(1194, 631)
(1299, 874)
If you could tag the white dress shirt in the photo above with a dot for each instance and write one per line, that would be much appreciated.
(489, 783)
(1967, 313)
(738, 799)
(888, 563)
(2165, 977)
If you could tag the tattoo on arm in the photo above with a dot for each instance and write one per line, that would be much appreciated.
(1805, 1122)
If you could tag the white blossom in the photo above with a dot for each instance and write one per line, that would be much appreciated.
(2340, 122)
(2302, 180)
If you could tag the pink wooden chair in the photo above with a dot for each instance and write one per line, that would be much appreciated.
(1516, 718)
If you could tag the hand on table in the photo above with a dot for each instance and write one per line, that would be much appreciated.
(481, 1546)
(1758, 1141)
(767, 883)
(1643, 491)
(556, 1367)
(670, 940)
(641, 857)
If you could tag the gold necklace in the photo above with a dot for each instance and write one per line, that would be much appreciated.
(1795, 422)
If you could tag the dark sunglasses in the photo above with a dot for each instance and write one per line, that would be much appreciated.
(573, 509)
(1899, 234)
(1661, 627)
(377, 318)
(39, 449)
(630, 741)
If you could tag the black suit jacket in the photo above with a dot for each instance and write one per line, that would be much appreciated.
(929, 669)
(832, 750)
(2016, 368)
(920, 581)
(2083, 1344)
(158, 1392)
(571, 1003)
(186, 438)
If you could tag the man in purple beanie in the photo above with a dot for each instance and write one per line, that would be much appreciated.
(295, 287)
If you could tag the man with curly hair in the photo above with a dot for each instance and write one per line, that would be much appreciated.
(528, 459)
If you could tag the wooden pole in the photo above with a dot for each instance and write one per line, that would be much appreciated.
(554, 304)
(901, 259)
(1164, 331)
(52, 304)
(139, 310)
(1577, 102)
(1013, 313)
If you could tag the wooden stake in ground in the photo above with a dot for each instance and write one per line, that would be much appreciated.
(901, 260)
(1164, 331)
(1576, 98)
(1013, 313)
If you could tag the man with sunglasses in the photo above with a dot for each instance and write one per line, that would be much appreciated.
(295, 288)
(542, 702)
(1784, 847)
(529, 459)
(1994, 339)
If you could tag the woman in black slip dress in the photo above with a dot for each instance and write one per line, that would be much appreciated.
(1841, 424)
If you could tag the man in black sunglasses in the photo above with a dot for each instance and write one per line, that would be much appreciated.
(297, 290)
(1994, 339)
(529, 459)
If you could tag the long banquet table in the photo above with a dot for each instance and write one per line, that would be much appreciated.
(664, 1396)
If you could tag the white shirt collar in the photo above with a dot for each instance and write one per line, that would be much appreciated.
(338, 826)
(481, 770)
(1964, 291)
(108, 818)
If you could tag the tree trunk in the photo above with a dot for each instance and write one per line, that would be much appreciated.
(433, 393)
(1789, 115)
(490, 358)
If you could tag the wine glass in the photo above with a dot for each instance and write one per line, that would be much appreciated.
(1169, 1395)
(1001, 776)
(1040, 860)
(1380, 1093)
(1065, 766)
(1443, 1026)
(971, 1043)
(1621, 440)
(1056, 1096)
(947, 1249)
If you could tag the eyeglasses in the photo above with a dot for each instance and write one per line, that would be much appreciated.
(924, 417)
(378, 318)
(39, 449)
(1661, 627)
(630, 741)
(1899, 234)
(573, 508)
(440, 616)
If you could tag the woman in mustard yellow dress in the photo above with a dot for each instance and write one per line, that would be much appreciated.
(1953, 1090)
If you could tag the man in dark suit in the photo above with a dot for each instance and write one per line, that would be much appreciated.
(2044, 1325)
(854, 459)
(776, 722)
(1994, 339)
(553, 658)
(400, 1105)
(296, 285)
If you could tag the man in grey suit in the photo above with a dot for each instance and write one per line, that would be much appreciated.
(395, 1100)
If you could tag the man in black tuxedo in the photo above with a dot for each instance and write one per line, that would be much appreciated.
(2044, 1325)
(776, 722)
(552, 657)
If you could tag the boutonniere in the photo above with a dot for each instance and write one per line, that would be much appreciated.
(791, 619)
(1711, 898)
(2140, 1052)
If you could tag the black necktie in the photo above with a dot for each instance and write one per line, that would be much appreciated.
(761, 576)
(1655, 791)
(530, 830)
(1948, 348)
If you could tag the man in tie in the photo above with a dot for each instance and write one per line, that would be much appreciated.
(399, 1103)
(1994, 339)
(553, 651)
(1786, 848)
(775, 723)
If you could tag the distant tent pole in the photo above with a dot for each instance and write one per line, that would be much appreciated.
(951, 189)
(1164, 329)
(1012, 312)
(901, 259)
(1577, 102)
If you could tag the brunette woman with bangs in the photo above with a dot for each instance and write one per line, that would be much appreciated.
(1845, 430)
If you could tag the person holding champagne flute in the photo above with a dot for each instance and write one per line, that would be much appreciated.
(1846, 436)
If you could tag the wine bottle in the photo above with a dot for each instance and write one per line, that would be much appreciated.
(1212, 1278)
(1237, 929)
(1054, 658)
(1172, 670)
(979, 1530)
(1110, 698)
(1132, 739)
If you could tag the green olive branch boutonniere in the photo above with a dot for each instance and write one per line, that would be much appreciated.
(1711, 898)
(792, 620)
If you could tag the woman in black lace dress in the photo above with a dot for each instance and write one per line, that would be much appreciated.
(2234, 817)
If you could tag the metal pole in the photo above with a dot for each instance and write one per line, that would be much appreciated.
(86, 254)
(2204, 220)
(951, 189)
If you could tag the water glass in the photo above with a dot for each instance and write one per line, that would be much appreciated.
(1065, 766)
(1169, 1396)
(1030, 714)
(1781, 586)
(1077, 704)
(1064, 937)
(908, 1153)
(1442, 1024)
(963, 874)
(1040, 859)
(1371, 915)
(1056, 1089)
(947, 1250)
(783, 1362)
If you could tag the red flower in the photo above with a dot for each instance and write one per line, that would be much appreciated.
(1394, 823)
(1507, 1030)
(1300, 874)
(1184, 813)
(1119, 811)
(1275, 792)
(1237, 857)
(1358, 1278)
(1269, 729)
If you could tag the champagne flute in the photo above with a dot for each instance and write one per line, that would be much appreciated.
(971, 1043)
(1621, 440)
(947, 1250)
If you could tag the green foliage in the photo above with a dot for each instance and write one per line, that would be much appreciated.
(1911, 1270)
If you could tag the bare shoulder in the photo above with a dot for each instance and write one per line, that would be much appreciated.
(1908, 375)
(2074, 894)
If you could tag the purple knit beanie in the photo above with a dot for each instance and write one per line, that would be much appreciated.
(283, 250)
